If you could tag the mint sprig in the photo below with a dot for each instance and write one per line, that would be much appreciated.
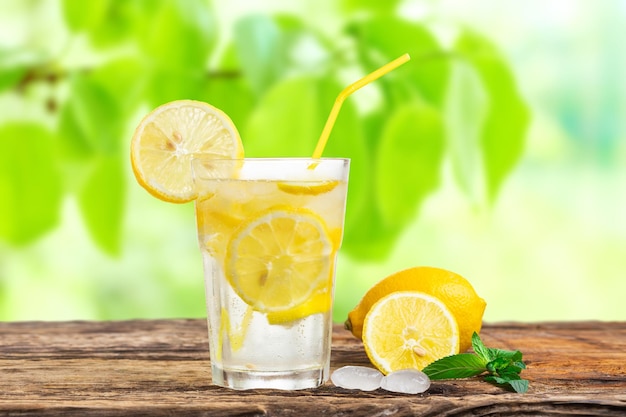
(501, 367)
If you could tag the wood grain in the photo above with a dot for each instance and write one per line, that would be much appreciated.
(161, 368)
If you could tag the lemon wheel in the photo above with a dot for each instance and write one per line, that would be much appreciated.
(171, 135)
(409, 330)
(280, 259)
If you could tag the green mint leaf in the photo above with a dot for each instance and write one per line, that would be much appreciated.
(463, 365)
(511, 372)
(516, 356)
(503, 366)
(480, 349)
(497, 364)
(511, 355)
(519, 385)
(496, 379)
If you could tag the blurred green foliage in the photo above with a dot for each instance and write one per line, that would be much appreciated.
(277, 77)
(80, 239)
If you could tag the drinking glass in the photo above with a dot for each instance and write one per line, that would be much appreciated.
(269, 231)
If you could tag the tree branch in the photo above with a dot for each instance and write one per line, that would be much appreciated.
(36, 75)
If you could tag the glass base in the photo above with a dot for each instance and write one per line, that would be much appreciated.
(248, 379)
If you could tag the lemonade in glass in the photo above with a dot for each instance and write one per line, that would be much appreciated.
(269, 231)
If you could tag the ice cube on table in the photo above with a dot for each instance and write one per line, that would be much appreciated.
(357, 377)
(406, 381)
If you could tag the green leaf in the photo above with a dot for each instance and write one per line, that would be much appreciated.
(233, 96)
(507, 118)
(10, 76)
(480, 349)
(73, 143)
(462, 365)
(367, 236)
(289, 23)
(519, 385)
(287, 121)
(509, 371)
(124, 81)
(373, 124)
(375, 6)
(269, 48)
(503, 366)
(30, 183)
(228, 91)
(516, 383)
(408, 162)
(304, 49)
(258, 43)
(91, 121)
(497, 364)
(509, 355)
(167, 84)
(120, 22)
(383, 39)
(101, 202)
(82, 15)
(179, 35)
(465, 110)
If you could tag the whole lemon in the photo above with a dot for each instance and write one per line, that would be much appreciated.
(452, 289)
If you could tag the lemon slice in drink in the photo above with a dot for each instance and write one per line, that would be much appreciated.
(277, 260)
(168, 138)
(409, 330)
(319, 302)
(308, 187)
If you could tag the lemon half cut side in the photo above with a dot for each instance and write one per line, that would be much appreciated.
(409, 330)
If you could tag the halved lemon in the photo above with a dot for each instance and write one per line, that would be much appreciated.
(279, 259)
(168, 138)
(456, 292)
(409, 330)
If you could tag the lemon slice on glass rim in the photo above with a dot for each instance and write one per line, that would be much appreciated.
(170, 136)
(280, 259)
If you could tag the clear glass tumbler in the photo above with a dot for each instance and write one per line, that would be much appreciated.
(269, 231)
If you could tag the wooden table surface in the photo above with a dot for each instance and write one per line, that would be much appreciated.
(161, 368)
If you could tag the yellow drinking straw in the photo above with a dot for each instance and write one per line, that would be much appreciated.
(321, 143)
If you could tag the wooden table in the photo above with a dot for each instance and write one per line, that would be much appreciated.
(161, 368)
